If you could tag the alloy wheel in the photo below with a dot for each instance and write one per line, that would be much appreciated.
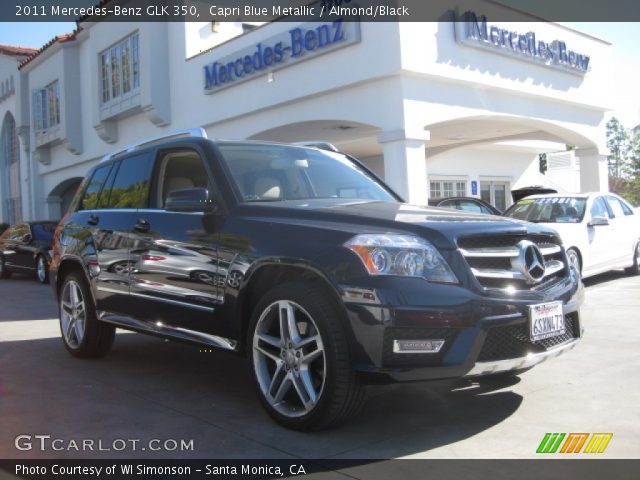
(41, 270)
(72, 314)
(574, 263)
(289, 358)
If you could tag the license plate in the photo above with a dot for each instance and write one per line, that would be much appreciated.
(546, 320)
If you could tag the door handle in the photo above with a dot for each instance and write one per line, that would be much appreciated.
(142, 226)
(93, 219)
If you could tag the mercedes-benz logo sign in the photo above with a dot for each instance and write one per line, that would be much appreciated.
(530, 262)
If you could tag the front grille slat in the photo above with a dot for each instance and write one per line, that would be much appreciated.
(513, 341)
(493, 260)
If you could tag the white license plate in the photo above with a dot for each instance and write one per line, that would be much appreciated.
(546, 320)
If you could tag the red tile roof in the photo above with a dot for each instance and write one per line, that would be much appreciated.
(66, 37)
(16, 50)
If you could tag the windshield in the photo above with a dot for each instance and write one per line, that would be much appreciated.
(267, 173)
(549, 210)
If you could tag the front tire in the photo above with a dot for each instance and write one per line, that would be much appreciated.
(42, 271)
(83, 334)
(635, 268)
(574, 261)
(300, 361)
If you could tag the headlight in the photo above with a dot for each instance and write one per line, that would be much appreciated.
(392, 254)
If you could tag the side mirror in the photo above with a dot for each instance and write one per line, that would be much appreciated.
(189, 200)
(596, 221)
(26, 238)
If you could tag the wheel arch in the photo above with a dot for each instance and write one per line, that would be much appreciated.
(67, 266)
(576, 249)
(269, 274)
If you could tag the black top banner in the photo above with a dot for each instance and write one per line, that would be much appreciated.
(319, 10)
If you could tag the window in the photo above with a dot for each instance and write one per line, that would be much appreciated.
(599, 208)
(43, 231)
(266, 173)
(92, 192)
(130, 187)
(495, 193)
(447, 188)
(46, 107)
(120, 68)
(549, 209)
(619, 208)
(180, 169)
(19, 231)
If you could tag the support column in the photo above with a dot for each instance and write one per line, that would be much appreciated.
(594, 174)
(54, 207)
(405, 164)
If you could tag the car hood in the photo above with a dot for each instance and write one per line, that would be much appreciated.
(441, 225)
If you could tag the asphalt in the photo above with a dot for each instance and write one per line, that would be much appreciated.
(148, 388)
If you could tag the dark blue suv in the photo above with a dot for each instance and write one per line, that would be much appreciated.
(303, 260)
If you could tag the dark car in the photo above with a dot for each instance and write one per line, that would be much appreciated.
(25, 247)
(336, 282)
(468, 204)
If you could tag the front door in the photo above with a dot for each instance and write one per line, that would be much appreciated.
(601, 237)
(176, 276)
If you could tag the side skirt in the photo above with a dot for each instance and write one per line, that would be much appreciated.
(168, 331)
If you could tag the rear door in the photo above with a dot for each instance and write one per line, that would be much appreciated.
(19, 253)
(177, 276)
(625, 231)
(108, 210)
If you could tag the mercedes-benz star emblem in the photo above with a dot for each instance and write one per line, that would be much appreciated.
(530, 262)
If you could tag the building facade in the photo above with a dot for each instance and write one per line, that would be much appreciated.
(447, 108)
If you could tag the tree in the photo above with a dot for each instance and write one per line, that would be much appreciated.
(632, 189)
(618, 144)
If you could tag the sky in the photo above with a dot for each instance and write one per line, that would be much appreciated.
(625, 37)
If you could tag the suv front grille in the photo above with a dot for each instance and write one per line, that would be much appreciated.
(494, 261)
(513, 341)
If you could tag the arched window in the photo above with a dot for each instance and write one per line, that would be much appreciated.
(10, 163)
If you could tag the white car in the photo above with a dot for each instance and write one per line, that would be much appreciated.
(600, 231)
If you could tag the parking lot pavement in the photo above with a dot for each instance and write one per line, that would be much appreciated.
(148, 388)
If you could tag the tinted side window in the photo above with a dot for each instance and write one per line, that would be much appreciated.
(615, 207)
(130, 187)
(19, 231)
(599, 208)
(6, 234)
(43, 231)
(619, 207)
(92, 192)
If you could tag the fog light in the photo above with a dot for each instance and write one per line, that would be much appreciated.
(417, 346)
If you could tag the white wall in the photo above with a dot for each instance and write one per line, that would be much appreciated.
(479, 164)
(401, 76)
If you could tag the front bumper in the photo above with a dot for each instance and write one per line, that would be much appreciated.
(515, 364)
(483, 334)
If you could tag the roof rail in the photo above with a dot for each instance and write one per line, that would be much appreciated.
(321, 144)
(188, 132)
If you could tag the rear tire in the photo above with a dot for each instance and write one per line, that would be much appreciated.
(301, 368)
(83, 334)
(635, 268)
(4, 273)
